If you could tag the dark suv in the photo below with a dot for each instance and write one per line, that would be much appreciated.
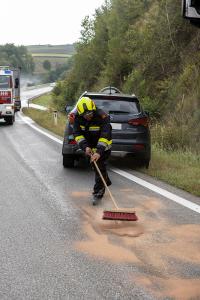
(130, 128)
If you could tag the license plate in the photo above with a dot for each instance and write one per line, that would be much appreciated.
(116, 126)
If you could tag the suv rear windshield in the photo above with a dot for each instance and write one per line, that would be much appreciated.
(118, 106)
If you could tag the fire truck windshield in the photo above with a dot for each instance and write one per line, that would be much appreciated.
(4, 82)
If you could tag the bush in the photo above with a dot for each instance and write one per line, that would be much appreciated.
(176, 136)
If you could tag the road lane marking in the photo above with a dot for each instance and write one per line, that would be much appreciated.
(156, 189)
(30, 122)
(152, 187)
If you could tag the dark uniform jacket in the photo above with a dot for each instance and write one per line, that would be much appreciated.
(95, 133)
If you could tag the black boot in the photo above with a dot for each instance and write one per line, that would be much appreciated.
(97, 196)
(108, 181)
(95, 200)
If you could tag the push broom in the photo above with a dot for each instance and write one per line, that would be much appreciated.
(121, 214)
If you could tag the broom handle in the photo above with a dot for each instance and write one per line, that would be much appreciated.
(111, 196)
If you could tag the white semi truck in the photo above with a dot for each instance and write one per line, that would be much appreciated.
(10, 101)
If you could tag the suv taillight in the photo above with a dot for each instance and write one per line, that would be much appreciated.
(144, 121)
(71, 117)
(72, 142)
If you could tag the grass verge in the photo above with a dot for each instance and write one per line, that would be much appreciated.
(44, 100)
(46, 119)
(180, 169)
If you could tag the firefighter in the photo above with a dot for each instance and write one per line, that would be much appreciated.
(92, 131)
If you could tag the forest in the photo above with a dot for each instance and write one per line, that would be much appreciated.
(146, 48)
(16, 56)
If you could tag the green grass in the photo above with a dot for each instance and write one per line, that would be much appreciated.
(44, 100)
(180, 169)
(46, 120)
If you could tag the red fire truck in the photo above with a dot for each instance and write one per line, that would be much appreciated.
(10, 101)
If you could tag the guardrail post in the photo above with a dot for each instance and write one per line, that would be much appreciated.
(55, 116)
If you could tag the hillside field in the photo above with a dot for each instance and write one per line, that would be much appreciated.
(61, 49)
(57, 55)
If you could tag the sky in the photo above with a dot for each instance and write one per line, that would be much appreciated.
(38, 22)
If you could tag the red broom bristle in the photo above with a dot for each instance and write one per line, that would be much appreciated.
(119, 215)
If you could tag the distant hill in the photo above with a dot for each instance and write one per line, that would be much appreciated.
(57, 55)
(67, 49)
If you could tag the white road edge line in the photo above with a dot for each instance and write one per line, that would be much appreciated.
(158, 190)
(39, 130)
(131, 177)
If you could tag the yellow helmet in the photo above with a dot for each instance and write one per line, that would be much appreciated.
(85, 104)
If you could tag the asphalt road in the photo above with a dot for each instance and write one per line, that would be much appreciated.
(54, 244)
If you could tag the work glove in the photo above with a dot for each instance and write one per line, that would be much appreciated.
(95, 156)
(88, 151)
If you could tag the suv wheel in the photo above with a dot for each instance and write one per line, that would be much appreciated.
(145, 163)
(145, 160)
(142, 162)
(68, 161)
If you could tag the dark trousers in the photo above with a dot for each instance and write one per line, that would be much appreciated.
(102, 166)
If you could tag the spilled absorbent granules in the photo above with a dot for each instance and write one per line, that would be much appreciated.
(99, 231)
(99, 245)
(173, 253)
(162, 250)
(171, 288)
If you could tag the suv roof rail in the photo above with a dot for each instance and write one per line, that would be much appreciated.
(110, 90)
(82, 94)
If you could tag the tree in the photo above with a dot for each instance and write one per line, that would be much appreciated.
(47, 65)
(16, 57)
(140, 46)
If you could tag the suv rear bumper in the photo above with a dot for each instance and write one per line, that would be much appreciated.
(137, 148)
(116, 148)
